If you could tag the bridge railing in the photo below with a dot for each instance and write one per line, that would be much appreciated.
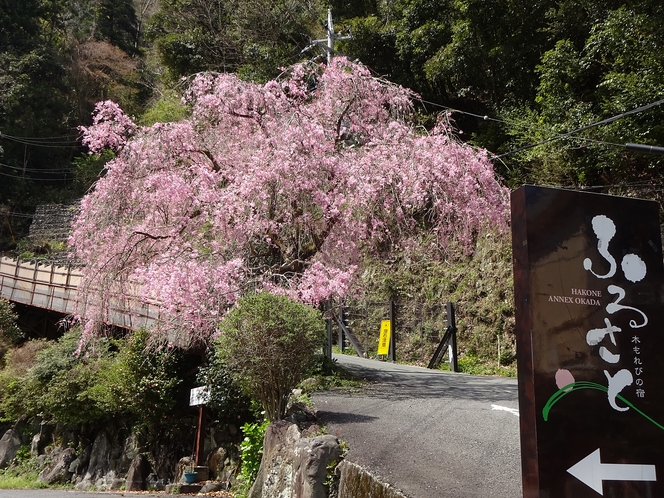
(44, 286)
(55, 288)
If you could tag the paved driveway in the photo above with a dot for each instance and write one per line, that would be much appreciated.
(430, 434)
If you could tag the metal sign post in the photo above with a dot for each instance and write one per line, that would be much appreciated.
(589, 288)
(198, 397)
(392, 355)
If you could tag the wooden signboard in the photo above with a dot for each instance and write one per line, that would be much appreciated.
(590, 343)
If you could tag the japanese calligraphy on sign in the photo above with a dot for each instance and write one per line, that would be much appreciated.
(588, 279)
(384, 339)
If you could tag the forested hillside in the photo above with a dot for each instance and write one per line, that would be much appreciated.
(512, 74)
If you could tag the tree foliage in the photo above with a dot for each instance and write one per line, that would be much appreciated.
(10, 333)
(112, 379)
(57, 59)
(547, 67)
(280, 187)
(617, 68)
(268, 344)
(251, 37)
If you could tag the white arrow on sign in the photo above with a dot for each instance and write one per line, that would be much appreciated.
(591, 472)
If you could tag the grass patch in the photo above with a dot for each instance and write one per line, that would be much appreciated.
(330, 375)
(24, 471)
(15, 478)
(475, 366)
(349, 351)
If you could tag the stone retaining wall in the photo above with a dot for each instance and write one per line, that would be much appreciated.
(52, 222)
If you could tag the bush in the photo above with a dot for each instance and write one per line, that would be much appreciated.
(10, 334)
(59, 385)
(269, 343)
(227, 400)
(251, 450)
(146, 384)
(112, 378)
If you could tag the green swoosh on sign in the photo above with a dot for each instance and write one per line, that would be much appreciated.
(577, 386)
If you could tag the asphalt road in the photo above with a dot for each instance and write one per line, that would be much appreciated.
(428, 433)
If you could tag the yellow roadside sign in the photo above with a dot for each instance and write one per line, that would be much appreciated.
(384, 341)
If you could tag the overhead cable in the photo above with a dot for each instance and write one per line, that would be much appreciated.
(583, 128)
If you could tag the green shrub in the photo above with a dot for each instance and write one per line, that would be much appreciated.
(111, 378)
(227, 400)
(10, 334)
(147, 383)
(60, 384)
(251, 450)
(268, 343)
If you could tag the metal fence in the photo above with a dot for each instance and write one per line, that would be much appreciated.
(418, 330)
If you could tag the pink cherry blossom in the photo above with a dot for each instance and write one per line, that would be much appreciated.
(282, 186)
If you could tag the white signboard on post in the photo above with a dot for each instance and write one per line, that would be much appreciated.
(199, 396)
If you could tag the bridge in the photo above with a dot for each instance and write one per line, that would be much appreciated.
(54, 288)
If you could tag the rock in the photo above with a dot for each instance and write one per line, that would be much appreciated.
(9, 445)
(212, 487)
(41, 439)
(183, 464)
(312, 430)
(275, 475)
(99, 456)
(215, 462)
(132, 447)
(79, 465)
(154, 482)
(313, 457)
(138, 473)
(355, 482)
(292, 466)
(118, 484)
(58, 471)
(99, 464)
(105, 482)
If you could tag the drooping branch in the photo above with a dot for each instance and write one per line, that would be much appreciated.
(281, 205)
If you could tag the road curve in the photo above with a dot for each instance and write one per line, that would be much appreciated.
(428, 433)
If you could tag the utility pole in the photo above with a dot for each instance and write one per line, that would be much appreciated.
(331, 37)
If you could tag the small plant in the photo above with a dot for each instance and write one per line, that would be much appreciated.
(251, 450)
(331, 476)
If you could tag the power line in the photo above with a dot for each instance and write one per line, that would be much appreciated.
(16, 177)
(52, 142)
(58, 138)
(583, 128)
(453, 109)
(17, 215)
(36, 170)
